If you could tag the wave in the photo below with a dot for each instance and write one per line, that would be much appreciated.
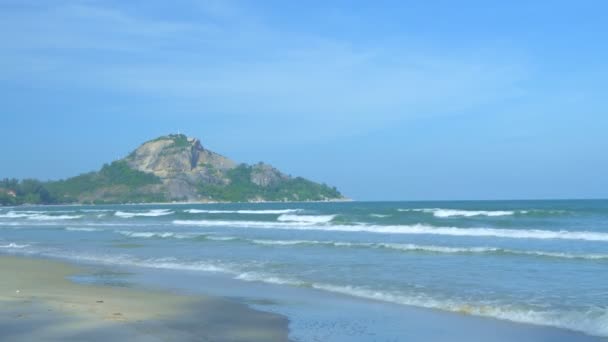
(379, 215)
(403, 247)
(266, 278)
(12, 214)
(155, 234)
(408, 247)
(82, 229)
(439, 212)
(306, 218)
(408, 229)
(251, 212)
(160, 263)
(594, 323)
(38, 216)
(14, 245)
(43, 217)
(220, 238)
(150, 213)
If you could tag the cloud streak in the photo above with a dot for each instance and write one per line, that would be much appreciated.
(233, 62)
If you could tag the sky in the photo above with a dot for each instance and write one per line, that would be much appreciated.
(387, 100)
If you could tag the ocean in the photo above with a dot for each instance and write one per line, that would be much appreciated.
(538, 262)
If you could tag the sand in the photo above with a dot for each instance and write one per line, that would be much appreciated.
(39, 303)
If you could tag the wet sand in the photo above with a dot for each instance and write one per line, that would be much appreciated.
(39, 303)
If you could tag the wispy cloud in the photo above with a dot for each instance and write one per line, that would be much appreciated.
(231, 60)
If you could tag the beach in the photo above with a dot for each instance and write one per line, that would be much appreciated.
(39, 303)
(337, 272)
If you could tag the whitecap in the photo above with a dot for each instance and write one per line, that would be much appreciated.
(306, 218)
(150, 213)
(14, 245)
(82, 229)
(421, 229)
(443, 213)
(250, 212)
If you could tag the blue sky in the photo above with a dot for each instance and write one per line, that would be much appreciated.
(385, 100)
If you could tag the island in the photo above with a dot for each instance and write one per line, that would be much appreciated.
(170, 168)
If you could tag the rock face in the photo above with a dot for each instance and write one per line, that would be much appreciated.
(180, 163)
(189, 172)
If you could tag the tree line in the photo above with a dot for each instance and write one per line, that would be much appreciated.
(31, 191)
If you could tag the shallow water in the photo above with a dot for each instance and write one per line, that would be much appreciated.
(539, 262)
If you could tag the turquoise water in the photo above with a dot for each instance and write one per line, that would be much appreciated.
(539, 262)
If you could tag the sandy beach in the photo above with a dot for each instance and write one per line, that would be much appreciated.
(39, 303)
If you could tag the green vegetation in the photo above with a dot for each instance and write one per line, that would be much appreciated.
(241, 188)
(15, 192)
(117, 181)
(179, 140)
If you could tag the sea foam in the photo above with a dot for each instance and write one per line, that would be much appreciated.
(306, 218)
(38, 216)
(440, 212)
(245, 211)
(407, 229)
(594, 323)
(150, 213)
(14, 245)
(82, 229)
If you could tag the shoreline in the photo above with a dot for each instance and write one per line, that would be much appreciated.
(51, 307)
(347, 200)
(39, 302)
(149, 255)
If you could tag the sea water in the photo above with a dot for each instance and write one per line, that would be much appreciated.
(538, 262)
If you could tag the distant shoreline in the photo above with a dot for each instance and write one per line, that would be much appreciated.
(176, 202)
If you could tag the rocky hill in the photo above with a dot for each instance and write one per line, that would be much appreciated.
(178, 168)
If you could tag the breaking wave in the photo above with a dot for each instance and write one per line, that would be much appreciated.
(14, 245)
(83, 229)
(595, 322)
(407, 247)
(150, 213)
(250, 212)
(38, 216)
(407, 229)
(439, 212)
(306, 218)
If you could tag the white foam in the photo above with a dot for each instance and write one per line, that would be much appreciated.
(408, 229)
(221, 238)
(439, 212)
(38, 215)
(250, 212)
(289, 242)
(83, 229)
(408, 247)
(161, 263)
(239, 224)
(155, 234)
(379, 215)
(42, 217)
(150, 213)
(262, 277)
(14, 245)
(593, 321)
(12, 214)
(306, 218)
